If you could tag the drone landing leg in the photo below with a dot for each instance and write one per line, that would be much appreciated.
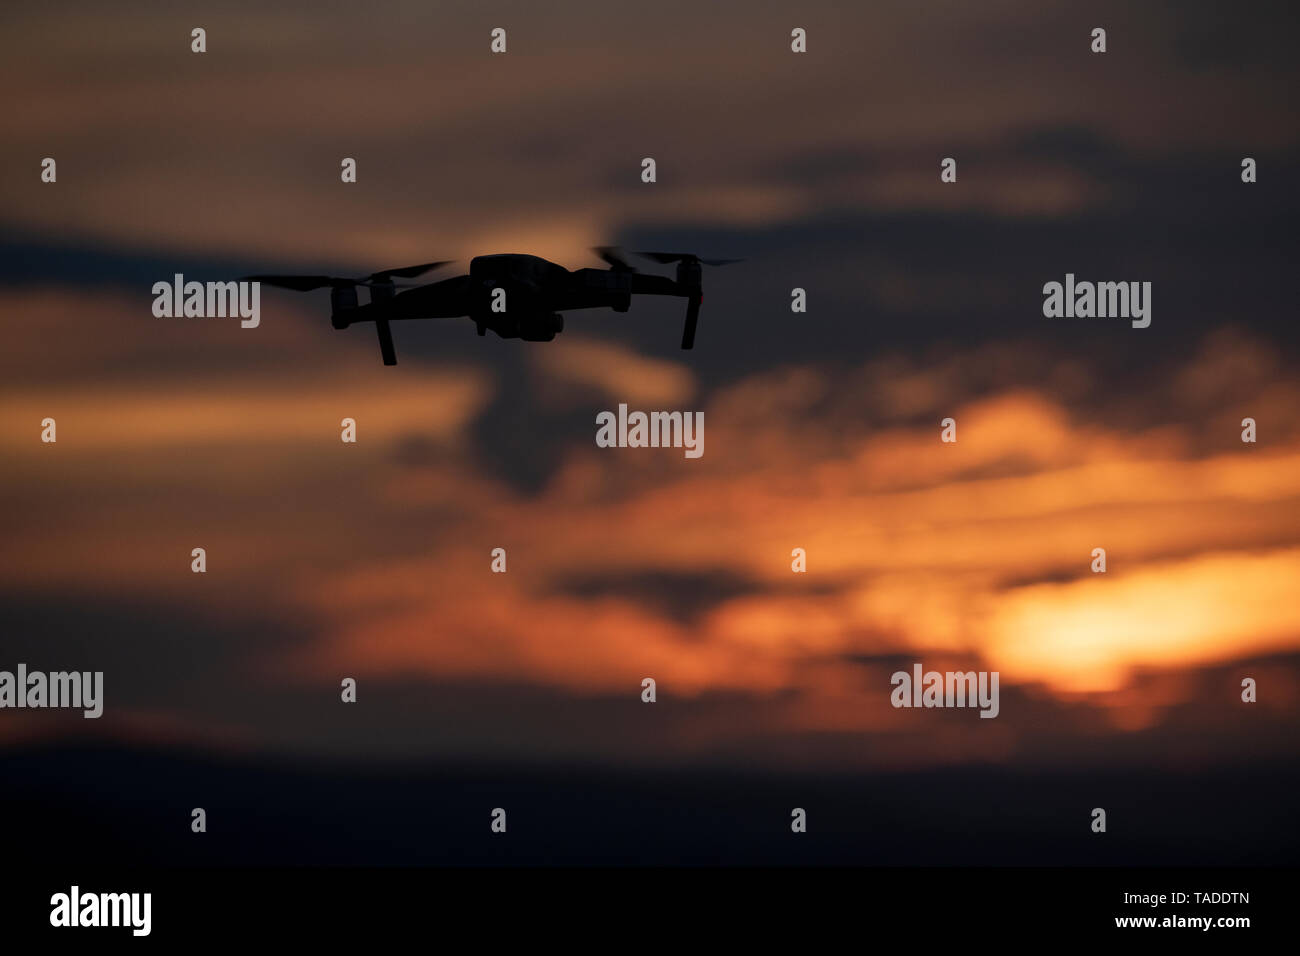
(692, 317)
(386, 342)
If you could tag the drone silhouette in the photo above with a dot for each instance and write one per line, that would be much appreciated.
(516, 296)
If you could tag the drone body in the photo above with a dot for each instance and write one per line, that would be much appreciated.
(515, 296)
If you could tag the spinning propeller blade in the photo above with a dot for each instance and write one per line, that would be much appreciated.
(298, 283)
(303, 283)
(614, 257)
(409, 272)
(666, 257)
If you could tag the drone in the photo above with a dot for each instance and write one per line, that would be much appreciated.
(514, 295)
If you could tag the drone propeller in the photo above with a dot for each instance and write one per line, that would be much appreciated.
(409, 272)
(613, 256)
(302, 283)
(666, 257)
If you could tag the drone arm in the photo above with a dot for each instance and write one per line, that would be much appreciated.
(655, 285)
(662, 285)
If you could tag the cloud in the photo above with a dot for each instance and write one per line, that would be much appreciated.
(1092, 634)
(822, 428)
(618, 373)
(981, 549)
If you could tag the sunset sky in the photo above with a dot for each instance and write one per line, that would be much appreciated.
(328, 560)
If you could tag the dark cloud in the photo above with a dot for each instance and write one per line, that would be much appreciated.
(682, 596)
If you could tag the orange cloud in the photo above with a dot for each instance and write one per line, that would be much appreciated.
(976, 553)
